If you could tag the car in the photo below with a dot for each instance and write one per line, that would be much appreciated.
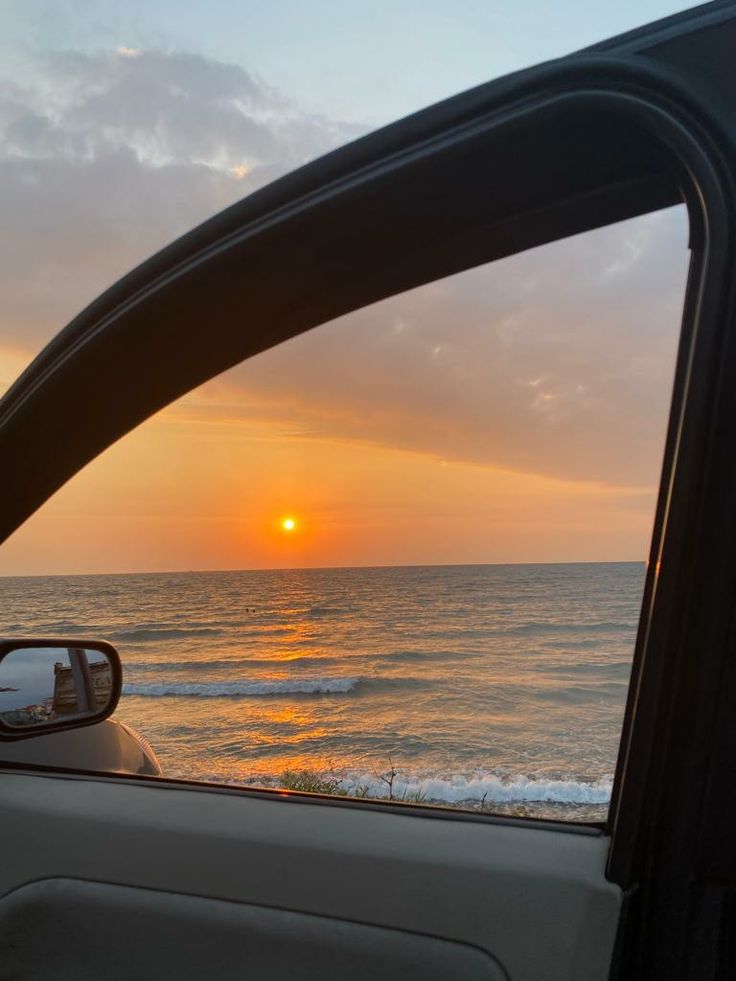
(133, 874)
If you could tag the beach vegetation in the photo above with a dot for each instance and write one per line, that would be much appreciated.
(311, 782)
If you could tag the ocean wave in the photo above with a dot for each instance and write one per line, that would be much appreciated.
(319, 612)
(164, 633)
(573, 645)
(61, 628)
(218, 689)
(545, 626)
(419, 655)
(484, 788)
(578, 694)
(196, 666)
(589, 669)
(460, 788)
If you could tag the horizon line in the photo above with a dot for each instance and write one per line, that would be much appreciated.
(316, 568)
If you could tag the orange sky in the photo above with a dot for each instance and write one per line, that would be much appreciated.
(181, 494)
(492, 417)
(511, 413)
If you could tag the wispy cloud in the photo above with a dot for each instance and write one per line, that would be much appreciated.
(550, 362)
(106, 157)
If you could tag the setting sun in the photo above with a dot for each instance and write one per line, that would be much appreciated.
(288, 524)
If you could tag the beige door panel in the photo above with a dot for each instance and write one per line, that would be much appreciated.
(535, 900)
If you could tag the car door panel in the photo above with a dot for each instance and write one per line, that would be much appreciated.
(533, 900)
(176, 937)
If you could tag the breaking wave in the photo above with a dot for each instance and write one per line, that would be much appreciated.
(215, 689)
(481, 788)
(486, 787)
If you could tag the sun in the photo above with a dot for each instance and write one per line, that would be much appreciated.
(288, 524)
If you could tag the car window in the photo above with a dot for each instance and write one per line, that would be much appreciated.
(400, 556)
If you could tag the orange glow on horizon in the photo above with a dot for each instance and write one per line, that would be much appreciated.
(143, 507)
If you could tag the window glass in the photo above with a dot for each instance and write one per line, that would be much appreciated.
(400, 556)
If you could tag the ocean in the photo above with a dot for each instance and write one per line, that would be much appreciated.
(494, 687)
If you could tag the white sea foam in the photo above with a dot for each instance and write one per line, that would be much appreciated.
(213, 689)
(456, 789)
(463, 789)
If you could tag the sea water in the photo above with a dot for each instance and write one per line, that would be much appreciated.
(499, 687)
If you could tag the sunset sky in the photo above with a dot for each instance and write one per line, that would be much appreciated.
(511, 413)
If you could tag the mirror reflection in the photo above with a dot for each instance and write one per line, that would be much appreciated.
(43, 685)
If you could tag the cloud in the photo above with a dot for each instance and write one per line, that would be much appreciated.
(106, 157)
(558, 361)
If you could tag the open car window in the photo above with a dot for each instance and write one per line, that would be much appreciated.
(401, 556)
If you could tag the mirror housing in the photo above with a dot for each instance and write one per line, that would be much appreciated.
(49, 685)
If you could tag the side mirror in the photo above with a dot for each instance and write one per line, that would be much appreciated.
(50, 685)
